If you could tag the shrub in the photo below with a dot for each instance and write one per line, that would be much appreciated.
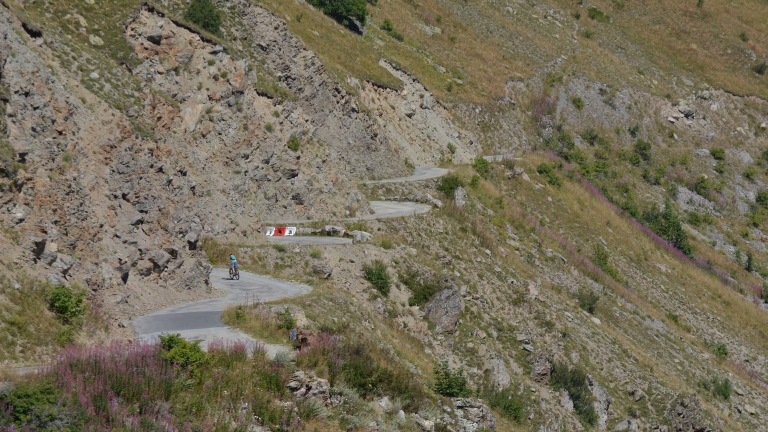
(587, 299)
(721, 350)
(561, 143)
(452, 148)
(279, 247)
(743, 36)
(507, 402)
(718, 153)
(761, 68)
(285, 320)
(449, 183)
(549, 174)
(386, 243)
(574, 381)
(31, 403)
(343, 10)
(600, 258)
(643, 149)
(449, 382)
(577, 102)
(597, 15)
(389, 29)
(376, 273)
(587, 33)
(633, 130)
(422, 288)
(8, 165)
(702, 186)
(720, 388)
(268, 127)
(316, 253)
(482, 166)
(751, 173)
(294, 143)
(205, 14)
(67, 303)
(762, 198)
(474, 182)
(667, 225)
(750, 265)
(182, 352)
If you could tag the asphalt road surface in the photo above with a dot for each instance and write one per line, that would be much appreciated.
(421, 173)
(201, 320)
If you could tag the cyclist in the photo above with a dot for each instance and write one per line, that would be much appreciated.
(232, 262)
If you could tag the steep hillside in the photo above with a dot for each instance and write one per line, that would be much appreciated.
(609, 272)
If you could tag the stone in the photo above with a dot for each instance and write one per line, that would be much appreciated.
(629, 425)
(122, 324)
(444, 309)
(686, 110)
(565, 400)
(424, 424)
(701, 152)
(63, 263)
(750, 409)
(473, 415)
(156, 36)
(16, 286)
(184, 57)
(460, 197)
(190, 116)
(160, 259)
(218, 49)
(400, 416)
(764, 125)
(144, 267)
(602, 402)
(94, 75)
(385, 404)
(332, 230)
(686, 414)
(541, 367)
(294, 386)
(56, 279)
(95, 40)
(322, 269)
(359, 236)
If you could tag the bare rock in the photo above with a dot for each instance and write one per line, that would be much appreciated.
(444, 309)
(322, 269)
(144, 268)
(686, 415)
(602, 402)
(460, 196)
(474, 415)
(160, 259)
(359, 236)
(541, 367)
(155, 36)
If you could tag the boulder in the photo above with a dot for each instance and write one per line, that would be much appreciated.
(687, 110)
(444, 309)
(474, 415)
(322, 269)
(685, 414)
(63, 263)
(541, 367)
(160, 259)
(602, 402)
(144, 268)
(460, 196)
(359, 236)
(155, 36)
(184, 57)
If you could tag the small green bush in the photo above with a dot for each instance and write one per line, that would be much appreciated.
(587, 33)
(279, 247)
(643, 149)
(667, 224)
(577, 102)
(343, 10)
(549, 174)
(761, 68)
(718, 153)
(720, 388)
(294, 143)
(376, 273)
(750, 265)
(597, 15)
(268, 127)
(205, 14)
(452, 148)
(31, 402)
(721, 350)
(507, 402)
(600, 258)
(449, 382)
(762, 198)
(316, 253)
(482, 166)
(386, 243)
(182, 352)
(574, 381)
(285, 320)
(422, 288)
(449, 183)
(389, 29)
(67, 303)
(633, 130)
(587, 299)
(743, 36)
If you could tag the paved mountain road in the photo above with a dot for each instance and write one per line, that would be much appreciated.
(201, 320)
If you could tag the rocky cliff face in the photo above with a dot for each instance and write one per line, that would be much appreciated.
(119, 197)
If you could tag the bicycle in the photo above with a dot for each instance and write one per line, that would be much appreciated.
(234, 273)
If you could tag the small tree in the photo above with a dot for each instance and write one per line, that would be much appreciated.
(67, 303)
(204, 14)
(449, 382)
